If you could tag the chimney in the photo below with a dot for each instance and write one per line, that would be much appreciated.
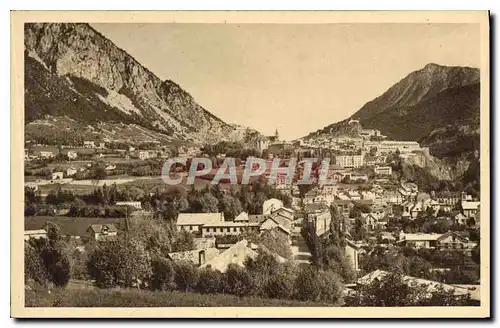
(201, 257)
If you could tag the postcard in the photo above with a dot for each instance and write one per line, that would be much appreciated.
(250, 164)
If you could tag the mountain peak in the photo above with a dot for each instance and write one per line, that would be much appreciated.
(432, 66)
(111, 83)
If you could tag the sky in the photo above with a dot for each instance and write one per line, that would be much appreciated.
(296, 78)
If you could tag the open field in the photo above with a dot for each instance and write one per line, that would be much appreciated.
(92, 297)
(68, 226)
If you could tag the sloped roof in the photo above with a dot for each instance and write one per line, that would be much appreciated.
(235, 254)
(470, 205)
(199, 218)
(243, 216)
(98, 228)
(422, 236)
(193, 255)
(258, 217)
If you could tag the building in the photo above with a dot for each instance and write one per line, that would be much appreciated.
(371, 220)
(447, 198)
(72, 155)
(110, 167)
(344, 206)
(57, 176)
(320, 222)
(194, 221)
(135, 204)
(70, 171)
(89, 144)
(368, 133)
(383, 170)
(470, 208)
(197, 256)
(227, 228)
(349, 161)
(35, 234)
(102, 231)
(449, 240)
(143, 155)
(357, 177)
(236, 254)
(392, 146)
(242, 217)
(46, 154)
(352, 252)
(271, 205)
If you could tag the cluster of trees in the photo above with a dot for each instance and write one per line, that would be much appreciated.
(46, 259)
(427, 224)
(328, 250)
(231, 149)
(421, 263)
(263, 276)
(393, 291)
(98, 203)
(248, 198)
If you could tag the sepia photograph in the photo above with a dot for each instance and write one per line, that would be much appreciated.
(250, 164)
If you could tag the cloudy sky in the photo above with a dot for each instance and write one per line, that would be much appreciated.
(294, 78)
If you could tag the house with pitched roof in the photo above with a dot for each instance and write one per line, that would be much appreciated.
(193, 222)
(236, 254)
(470, 208)
(102, 231)
(197, 256)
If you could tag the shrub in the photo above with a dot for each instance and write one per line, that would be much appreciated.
(210, 282)
(239, 281)
(163, 274)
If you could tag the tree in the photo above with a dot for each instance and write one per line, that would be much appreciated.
(52, 254)
(210, 281)
(183, 242)
(476, 254)
(33, 266)
(119, 263)
(317, 285)
(281, 282)
(186, 276)
(393, 291)
(163, 274)
(238, 281)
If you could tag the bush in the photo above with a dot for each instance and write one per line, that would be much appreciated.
(238, 281)
(186, 276)
(210, 282)
(163, 274)
(317, 285)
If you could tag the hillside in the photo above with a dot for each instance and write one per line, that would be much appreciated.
(417, 87)
(437, 106)
(72, 70)
(421, 102)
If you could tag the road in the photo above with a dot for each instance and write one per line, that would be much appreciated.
(300, 250)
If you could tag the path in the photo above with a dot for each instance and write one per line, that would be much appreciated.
(300, 250)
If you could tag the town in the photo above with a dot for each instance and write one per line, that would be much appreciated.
(103, 208)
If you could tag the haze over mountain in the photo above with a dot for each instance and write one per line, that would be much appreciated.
(77, 81)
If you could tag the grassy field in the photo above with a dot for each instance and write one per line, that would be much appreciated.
(68, 226)
(92, 297)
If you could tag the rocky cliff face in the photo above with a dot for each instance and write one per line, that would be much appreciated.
(78, 51)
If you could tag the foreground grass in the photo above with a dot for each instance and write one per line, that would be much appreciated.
(41, 297)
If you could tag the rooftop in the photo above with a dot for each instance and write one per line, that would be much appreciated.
(199, 218)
